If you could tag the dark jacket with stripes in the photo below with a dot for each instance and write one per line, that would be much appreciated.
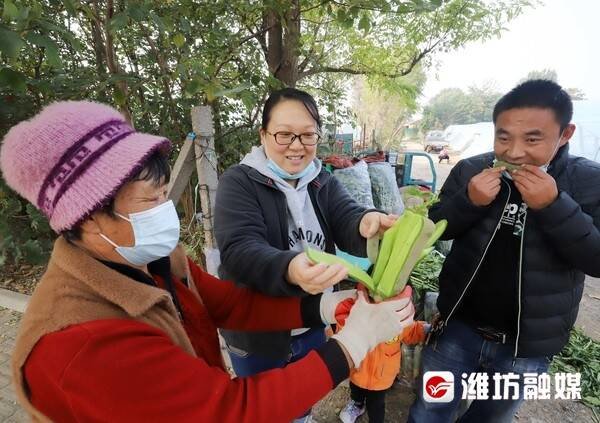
(251, 229)
(561, 244)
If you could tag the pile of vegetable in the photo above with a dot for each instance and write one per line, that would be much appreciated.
(357, 182)
(582, 355)
(386, 196)
(424, 277)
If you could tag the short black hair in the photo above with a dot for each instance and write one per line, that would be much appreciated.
(538, 93)
(155, 169)
(290, 94)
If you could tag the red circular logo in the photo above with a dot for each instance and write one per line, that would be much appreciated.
(435, 386)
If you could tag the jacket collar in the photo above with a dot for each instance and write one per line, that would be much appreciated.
(133, 297)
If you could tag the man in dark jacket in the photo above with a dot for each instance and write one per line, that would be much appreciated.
(525, 234)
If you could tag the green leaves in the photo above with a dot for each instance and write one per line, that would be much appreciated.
(424, 277)
(179, 40)
(364, 24)
(70, 7)
(137, 12)
(119, 97)
(10, 12)
(454, 106)
(581, 355)
(10, 42)
(118, 22)
(33, 252)
(213, 89)
(24, 232)
(193, 87)
(232, 92)
(51, 48)
(11, 206)
(12, 79)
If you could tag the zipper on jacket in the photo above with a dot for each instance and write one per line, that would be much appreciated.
(314, 198)
(482, 257)
(285, 230)
(519, 290)
(319, 209)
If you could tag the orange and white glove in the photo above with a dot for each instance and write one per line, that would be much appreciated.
(330, 302)
(370, 324)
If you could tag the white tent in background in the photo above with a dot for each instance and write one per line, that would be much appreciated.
(471, 140)
(586, 140)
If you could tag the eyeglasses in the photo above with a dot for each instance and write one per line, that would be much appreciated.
(287, 138)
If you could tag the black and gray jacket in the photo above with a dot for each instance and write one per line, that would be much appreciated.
(251, 229)
(560, 244)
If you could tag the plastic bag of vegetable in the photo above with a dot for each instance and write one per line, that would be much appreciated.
(357, 182)
(386, 196)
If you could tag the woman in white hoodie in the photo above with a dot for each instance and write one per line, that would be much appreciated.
(269, 208)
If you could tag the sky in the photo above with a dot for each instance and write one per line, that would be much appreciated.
(559, 34)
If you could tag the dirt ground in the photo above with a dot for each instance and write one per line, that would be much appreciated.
(22, 278)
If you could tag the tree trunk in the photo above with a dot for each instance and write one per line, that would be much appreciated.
(99, 48)
(99, 51)
(113, 63)
(283, 45)
(274, 41)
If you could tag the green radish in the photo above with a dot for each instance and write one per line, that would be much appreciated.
(408, 232)
(373, 248)
(385, 249)
(414, 256)
(440, 227)
(320, 257)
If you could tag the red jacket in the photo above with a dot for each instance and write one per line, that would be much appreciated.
(117, 370)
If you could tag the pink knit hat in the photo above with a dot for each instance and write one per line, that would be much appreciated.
(72, 157)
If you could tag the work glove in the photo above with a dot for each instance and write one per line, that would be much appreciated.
(370, 324)
(330, 301)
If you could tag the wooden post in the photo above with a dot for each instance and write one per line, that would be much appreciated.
(199, 151)
(206, 166)
(182, 170)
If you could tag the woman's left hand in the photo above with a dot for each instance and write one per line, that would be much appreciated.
(374, 223)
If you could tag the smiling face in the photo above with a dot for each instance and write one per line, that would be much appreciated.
(289, 116)
(529, 136)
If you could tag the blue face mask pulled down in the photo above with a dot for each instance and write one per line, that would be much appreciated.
(155, 231)
(274, 167)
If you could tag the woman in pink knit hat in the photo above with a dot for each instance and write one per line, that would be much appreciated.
(123, 326)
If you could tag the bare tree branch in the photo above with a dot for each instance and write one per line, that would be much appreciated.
(231, 130)
(349, 69)
(230, 52)
(308, 56)
(323, 3)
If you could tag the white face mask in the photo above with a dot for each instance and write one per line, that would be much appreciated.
(155, 231)
(544, 168)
